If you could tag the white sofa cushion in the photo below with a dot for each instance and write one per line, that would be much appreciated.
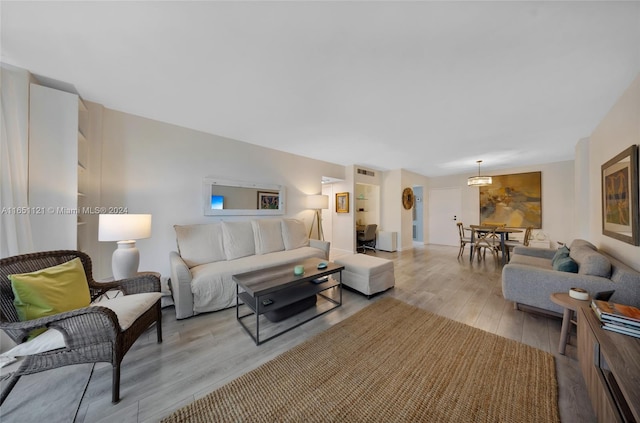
(267, 236)
(200, 244)
(238, 239)
(127, 307)
(212, 284)
(294, 234)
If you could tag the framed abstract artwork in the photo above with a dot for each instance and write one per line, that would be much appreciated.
(515, 200)
(342, 202)
(620, 197)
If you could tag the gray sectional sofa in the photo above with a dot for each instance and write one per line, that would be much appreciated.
(210, 254)
(530, 278)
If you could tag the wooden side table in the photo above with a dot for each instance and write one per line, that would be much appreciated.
(568, 317)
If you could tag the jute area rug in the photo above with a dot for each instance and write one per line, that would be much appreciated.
(391, 362)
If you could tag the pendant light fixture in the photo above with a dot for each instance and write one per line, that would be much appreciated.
(479, 181)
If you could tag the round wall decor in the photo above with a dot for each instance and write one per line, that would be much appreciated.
(407, 198)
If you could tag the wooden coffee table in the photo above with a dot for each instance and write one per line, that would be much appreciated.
(276, 288)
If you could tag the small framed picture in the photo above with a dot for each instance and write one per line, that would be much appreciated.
(268, 200)
(342, 202)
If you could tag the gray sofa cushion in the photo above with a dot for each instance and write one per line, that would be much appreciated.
(540, 262)
(590, 262)
(578, 243)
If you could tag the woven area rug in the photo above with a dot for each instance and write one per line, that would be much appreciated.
(391, 362)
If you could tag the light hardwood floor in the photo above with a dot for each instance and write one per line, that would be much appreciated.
(204, 352)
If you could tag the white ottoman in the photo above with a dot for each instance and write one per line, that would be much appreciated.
(367, 274)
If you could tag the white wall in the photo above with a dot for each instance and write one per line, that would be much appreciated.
(582, 189)
(618, 130)
(557, 197)
(391, 206)
(409, 180)
(158, 168)
(343, 224)
(394, 218)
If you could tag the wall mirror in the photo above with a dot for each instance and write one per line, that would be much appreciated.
(223, 197)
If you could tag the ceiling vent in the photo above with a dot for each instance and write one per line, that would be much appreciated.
(366, 172)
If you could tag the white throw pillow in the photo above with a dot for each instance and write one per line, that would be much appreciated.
(294, 234)
(51, 339)
(200, 244)
(268, 236)
(238, 239)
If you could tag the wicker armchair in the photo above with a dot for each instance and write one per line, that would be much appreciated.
(91, 334)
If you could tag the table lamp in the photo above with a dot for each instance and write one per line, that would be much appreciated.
(124, 228)
(317, 202)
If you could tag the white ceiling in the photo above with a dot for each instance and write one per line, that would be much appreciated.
(426, 86)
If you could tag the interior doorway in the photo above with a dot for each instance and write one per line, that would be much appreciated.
(418, 214)
(445, 208)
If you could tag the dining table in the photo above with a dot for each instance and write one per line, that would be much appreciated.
(502, 231)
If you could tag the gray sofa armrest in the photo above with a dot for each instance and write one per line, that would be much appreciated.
(532, 286)
(181, 286)
(546, 253)
(321, 245)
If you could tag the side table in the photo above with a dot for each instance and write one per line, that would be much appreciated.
(568, 317)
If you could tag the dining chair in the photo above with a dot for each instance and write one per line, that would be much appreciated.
(510, 244)
(486, 239)
(464, 240)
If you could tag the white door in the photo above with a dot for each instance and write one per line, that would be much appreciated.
(445, 208)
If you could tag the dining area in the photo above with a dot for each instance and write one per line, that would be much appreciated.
(490, 237)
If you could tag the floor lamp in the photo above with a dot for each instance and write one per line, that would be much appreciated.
(124, 228)
(317, 203)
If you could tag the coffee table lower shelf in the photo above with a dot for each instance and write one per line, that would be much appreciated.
(329, 294)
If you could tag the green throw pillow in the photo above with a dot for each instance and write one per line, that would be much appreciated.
(562, 252)
(566, 264)
(50, 291)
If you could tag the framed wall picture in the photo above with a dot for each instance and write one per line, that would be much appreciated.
(342, 202)
(268, 200)
(514, 199)
(620, 197)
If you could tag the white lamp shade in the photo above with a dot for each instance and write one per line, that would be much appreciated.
(121, 227)
(318, 201)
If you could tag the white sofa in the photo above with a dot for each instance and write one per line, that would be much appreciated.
(210, 254)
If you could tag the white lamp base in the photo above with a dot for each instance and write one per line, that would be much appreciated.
(125, 260)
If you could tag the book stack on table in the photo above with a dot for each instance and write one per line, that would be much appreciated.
(618, 317)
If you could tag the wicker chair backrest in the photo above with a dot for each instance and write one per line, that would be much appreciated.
(26, 263)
